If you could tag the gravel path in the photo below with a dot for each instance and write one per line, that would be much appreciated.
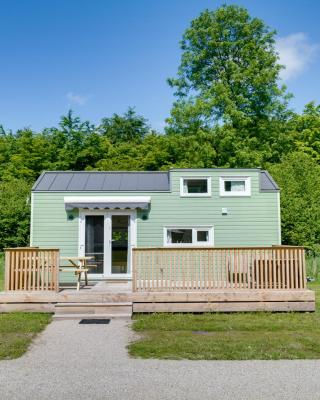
(71, 361)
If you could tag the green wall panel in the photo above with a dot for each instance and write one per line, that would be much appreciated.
(251, 221)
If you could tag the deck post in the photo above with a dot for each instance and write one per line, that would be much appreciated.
(134, 272)
(7, 256)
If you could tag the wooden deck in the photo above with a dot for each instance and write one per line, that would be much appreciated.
(164, 280)
(106, 299)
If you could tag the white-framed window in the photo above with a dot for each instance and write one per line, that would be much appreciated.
(235, 186)
(195, 186)
(188, 236)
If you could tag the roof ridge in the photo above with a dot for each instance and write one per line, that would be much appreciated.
(104, 172)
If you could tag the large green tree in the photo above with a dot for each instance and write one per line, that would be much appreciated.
(14, 213)
(129, 127)
(229, 72)
(304, 130)
(298, 176)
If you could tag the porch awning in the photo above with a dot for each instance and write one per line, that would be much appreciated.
(107, 202)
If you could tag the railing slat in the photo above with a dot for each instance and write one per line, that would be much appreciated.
(303, 267)
(300, 268)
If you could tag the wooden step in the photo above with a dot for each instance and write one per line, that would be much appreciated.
(120, 308)
(96, 304)
(64, 317)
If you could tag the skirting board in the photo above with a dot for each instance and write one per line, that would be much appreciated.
(224, 307)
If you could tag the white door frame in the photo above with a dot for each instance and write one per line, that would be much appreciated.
(132, 240)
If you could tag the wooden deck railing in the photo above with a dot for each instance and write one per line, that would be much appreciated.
(197, 269)
(31, 268)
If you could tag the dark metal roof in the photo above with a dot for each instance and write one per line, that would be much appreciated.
(102, 181)
(267, 184)
(95, 181)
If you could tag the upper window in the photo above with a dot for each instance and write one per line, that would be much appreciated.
(195, 187)
(193, 236)
(235, 186)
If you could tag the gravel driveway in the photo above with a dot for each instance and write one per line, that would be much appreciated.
(72, 361)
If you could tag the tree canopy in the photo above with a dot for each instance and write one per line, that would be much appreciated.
(230, 111)
(229, 71)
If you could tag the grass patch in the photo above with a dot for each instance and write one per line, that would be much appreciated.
(238, 336)
(17, 331)
(313, 267)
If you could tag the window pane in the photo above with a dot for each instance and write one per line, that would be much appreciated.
(120, 239)
(94, 238)
(196, 185)
(234, 186)
(179, 235)
(202, 236)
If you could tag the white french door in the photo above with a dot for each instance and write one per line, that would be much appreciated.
(108, 237)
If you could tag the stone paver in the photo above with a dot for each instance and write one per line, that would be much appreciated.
(71, 361)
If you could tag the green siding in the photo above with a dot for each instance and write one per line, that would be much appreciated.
(251, 221)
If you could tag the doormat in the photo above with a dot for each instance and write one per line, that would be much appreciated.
(95, 321)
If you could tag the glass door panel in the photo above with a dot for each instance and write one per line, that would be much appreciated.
(94, 242)
(119, 244)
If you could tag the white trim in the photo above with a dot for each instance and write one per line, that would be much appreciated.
(107, 199)
(107, 239)
(81, 238)
(279, 218)
(245, 193)
(132, 242)
(193, 178)
(194, 228)
(31, 221)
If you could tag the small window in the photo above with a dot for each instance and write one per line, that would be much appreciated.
(188, 236)
(176, 236)
(194, 187)
(202, 236)
(235, 186)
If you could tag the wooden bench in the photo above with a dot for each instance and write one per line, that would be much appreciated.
(77, 272)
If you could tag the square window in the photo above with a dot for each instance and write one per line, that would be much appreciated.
(202, 236)
(195, 187)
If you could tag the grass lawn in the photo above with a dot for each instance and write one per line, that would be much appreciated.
(18, 329)
(240, 336)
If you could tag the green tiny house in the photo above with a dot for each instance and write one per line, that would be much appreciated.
(106, 214)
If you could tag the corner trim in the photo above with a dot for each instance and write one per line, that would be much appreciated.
(279, 218)
(31, 221)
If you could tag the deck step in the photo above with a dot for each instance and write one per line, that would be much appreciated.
(96, 304)
(94, 309)
(64, 317)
